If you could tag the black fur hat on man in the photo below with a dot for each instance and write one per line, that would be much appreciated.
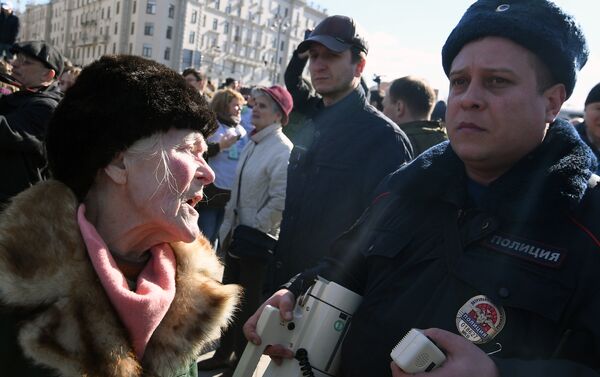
(116, 101)
(538, 25)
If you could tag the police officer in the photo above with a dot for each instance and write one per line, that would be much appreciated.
(489, 242)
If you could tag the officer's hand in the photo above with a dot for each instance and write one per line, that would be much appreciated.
(284, 300)
(463, 358)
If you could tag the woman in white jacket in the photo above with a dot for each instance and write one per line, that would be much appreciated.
(257, 202)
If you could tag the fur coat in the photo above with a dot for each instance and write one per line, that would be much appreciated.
(70, 326)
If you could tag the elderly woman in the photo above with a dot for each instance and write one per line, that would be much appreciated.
(224, 148)
(103, 270)
(253, 215)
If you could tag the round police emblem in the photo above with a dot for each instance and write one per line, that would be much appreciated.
(503, 8)
(480, 320)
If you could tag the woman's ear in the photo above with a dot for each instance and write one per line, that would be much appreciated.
(117, 170)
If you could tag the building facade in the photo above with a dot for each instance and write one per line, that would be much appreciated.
(249, 40)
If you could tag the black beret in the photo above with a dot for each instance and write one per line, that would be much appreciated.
(538, 25)
(43, 52)
(593, 95)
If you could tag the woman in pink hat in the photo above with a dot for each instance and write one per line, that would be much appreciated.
(253, 214)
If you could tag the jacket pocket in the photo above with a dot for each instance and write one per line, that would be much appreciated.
(514, 285)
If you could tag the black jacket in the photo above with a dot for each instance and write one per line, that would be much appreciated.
(530, 243)
(338, 159)
(9, 28)
(23, 119)
(581, 129)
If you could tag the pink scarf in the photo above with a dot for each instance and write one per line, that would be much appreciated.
(141, 311)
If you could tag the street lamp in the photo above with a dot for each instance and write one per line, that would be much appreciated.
(278, 24)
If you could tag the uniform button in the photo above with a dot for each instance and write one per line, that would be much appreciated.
(503, 292)
(278, 264)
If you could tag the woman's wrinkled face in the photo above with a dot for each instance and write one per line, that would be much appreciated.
(165, 184)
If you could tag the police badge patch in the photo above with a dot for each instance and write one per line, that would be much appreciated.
(479, 320)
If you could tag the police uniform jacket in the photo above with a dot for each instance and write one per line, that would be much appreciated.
(337, 162)
(23, 119)
(530, 244)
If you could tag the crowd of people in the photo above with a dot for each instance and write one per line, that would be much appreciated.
(474, 219)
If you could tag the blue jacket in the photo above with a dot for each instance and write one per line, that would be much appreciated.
(339, 157)
(530, 243)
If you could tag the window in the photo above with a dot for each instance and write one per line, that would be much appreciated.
(147, 51)
(215, 24)
(118, 7)
(132, 28)
(134, 6)
(168, 53)
(226, 27)
(149, 28)
(116, 28)
(228, 9)
(194, 16)
(217, 4)
(108, 12)
(169, 32)
(151, 7)
(186, 57)
(204, 20)
(171, 11)
(192, 36)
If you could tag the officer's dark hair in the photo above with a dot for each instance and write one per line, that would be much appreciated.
(416, 93)
(543, 75)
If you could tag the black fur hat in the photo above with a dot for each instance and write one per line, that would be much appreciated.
(593, 95)
(116, 101)
(538, 25)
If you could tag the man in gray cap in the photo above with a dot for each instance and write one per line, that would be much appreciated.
(24, 114)
(344, 139)
(491, 242)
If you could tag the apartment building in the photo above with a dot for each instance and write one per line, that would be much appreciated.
(250, 40)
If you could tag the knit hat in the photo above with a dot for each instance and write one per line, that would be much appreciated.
(43, 52)
(116, 101)
(283, 98)
(593, 95)
(337, 33)
(538, 25)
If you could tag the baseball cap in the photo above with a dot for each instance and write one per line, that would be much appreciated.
(41, 51)
(337, 33)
